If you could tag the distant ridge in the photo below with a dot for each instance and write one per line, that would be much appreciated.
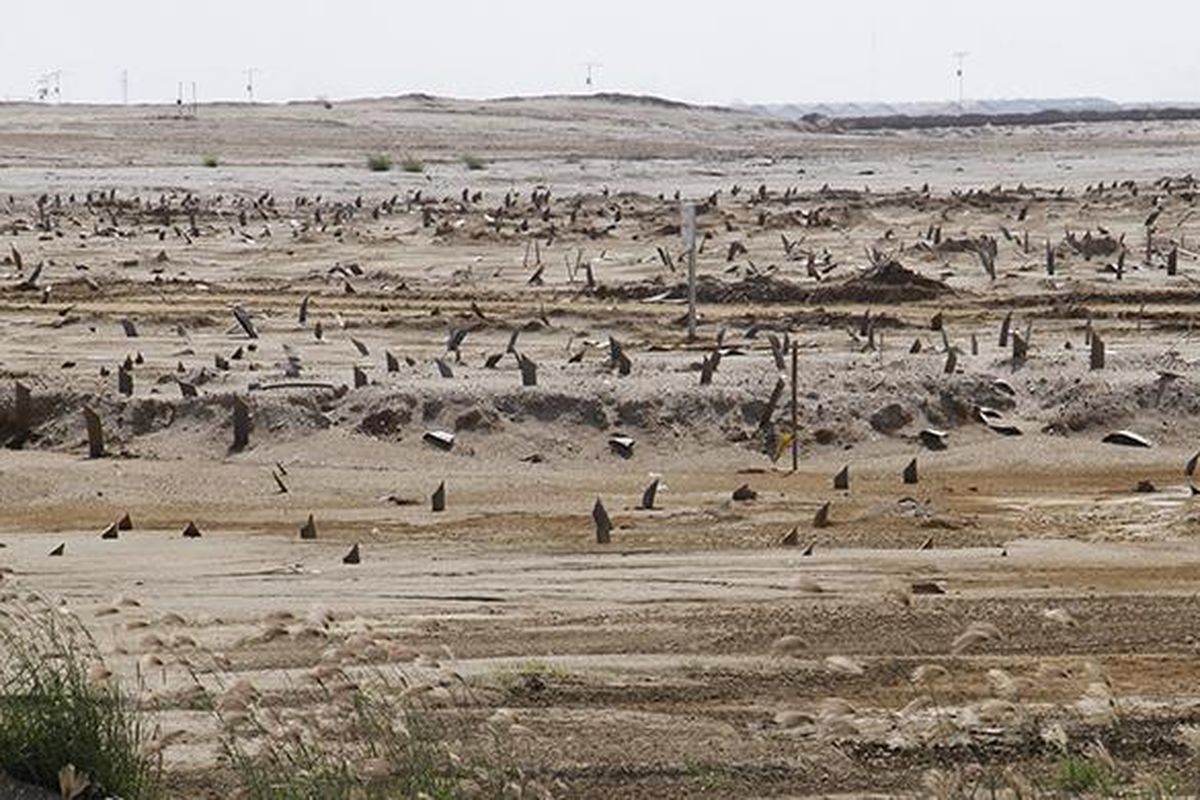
(934, 108)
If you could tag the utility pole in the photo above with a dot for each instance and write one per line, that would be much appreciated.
(959, 57)
(124, 87)
(688, 229)
(250, 83)
(591, 65)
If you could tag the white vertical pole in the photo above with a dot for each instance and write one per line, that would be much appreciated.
(688, 229)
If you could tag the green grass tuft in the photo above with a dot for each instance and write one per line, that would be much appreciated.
(1083, 776)
(379, 162)
(410, 164)
(474, 163)
(211, 161)
(57, 708)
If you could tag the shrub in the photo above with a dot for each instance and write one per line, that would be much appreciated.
(211, 161)
(379, 162)
(474, 163)
(1082, 776)
(410, 164)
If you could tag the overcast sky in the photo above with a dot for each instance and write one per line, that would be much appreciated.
(714, 51)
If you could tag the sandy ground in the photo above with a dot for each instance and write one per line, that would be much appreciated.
(651, 666)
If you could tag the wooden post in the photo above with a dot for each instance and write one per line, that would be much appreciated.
(688, 229)
(95, 433)
(795, 411)
(241, 424)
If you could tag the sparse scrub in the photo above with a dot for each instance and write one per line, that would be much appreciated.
(370, 739)
(379, 162)
(531, 677)
(59, 706)
(411, 164)
(474, 162)
(211, 161)
(1076, 775)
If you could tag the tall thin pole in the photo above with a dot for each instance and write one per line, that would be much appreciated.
(960, 57)
(795, 410)
(688, 228)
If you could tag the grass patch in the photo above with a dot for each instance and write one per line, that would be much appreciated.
(59, 707)
(371, 739)
(410, 164)
(211, 162)
(1083, 776)
(474, 163)
(710, 778)
(379, 162)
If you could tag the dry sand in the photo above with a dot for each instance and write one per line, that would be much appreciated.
(648, 667)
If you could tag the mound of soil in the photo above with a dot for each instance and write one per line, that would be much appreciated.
(889, 282)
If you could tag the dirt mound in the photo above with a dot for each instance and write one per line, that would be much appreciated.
(889, 282)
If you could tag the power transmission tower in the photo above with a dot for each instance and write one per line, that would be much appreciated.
(959, 57)
(50, 86)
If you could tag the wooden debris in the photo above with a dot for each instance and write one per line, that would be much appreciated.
(22, 410)
(243, 319)
(841, 481)
(622, 445)
(602, 522)
(437, 502)
(309, 529)
(649, 495)
(1126, 439)
(744, 493)
(353, 556)
(1097, 355)
(190, 531)
(933, 439)
(124, 381)
(59, 550)
(241, 424)
(95, 433)
(910, 472)
(821, 518)
(528, 369)
(125, 523)
(442, 440)
(110, 532)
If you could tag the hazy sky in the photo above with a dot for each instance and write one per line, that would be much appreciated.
(704, 51)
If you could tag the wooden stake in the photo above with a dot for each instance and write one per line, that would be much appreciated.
(95, 433)
(795, 410)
